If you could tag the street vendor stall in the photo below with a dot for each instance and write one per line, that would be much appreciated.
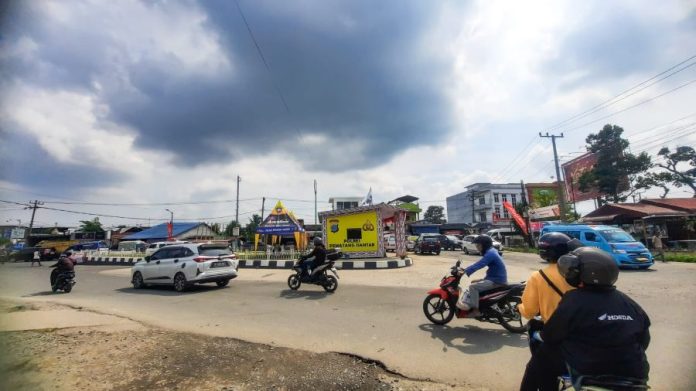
(359, 232)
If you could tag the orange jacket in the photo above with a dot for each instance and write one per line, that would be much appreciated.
(539, 297)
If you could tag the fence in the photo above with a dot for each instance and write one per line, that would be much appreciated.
(241, 255)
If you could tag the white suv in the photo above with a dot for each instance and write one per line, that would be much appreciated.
(183, 265)
(158, 245)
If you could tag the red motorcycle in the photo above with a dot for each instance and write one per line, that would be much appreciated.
(498, 305)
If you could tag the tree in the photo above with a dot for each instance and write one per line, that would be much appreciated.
(215, 227)
(251, 227)
(615, 165)
(435, 214)
(91, 225)
(674, 173)
(545, 198)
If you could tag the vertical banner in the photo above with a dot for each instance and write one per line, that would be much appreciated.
(170, 230)
(400, 230)
(516, 216)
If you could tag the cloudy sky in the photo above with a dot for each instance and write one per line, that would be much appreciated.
(143, 102)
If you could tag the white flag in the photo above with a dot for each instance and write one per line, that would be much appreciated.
(368, 198)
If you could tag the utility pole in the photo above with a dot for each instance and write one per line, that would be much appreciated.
(561, 191)
(236, 213)
(31, 222)
(315, 202)
(263, 207)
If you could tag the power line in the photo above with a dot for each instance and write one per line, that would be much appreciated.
(604, 104)
(152, 203)
(633, 106)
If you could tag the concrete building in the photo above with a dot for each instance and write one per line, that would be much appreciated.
(482, 204)
(341, 203)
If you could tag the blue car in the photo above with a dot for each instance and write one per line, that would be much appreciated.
(626, 251)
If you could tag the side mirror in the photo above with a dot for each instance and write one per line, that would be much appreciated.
(147, 258)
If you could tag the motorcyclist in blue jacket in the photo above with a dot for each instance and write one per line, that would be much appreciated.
(496, 273)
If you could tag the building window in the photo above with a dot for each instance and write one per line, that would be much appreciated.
(497, 212)
(506, 215)
(504, 197)
(513, 197)
(482, 216)
(495, 197)
(482, 200)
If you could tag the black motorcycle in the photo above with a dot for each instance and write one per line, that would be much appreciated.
(62, 280)
(320, 275)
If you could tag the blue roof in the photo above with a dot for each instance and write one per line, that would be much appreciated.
(160, 231)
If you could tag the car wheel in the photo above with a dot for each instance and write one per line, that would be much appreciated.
(222, 283)
(137, 281)
(180, 283)
(437, 253)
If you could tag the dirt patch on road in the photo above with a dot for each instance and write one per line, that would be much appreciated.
(107, 358)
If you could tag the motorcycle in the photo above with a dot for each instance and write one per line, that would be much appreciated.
(319, 276)
(62, 280)
(498, 305)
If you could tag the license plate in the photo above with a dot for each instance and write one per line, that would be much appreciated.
(642, 259)
(219, 264)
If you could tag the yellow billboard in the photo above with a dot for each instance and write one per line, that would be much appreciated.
(353, 232)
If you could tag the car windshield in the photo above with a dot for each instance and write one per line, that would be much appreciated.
(616, 236)
(430, 239)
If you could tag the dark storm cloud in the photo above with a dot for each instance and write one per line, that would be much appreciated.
(352, 72)
(24, 162)
(612, 42)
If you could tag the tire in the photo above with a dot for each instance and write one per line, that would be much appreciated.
(466, 251)
(222, 283)
(511, 319)
(294, 282)
(54, 288)
(67, 288)
(435, 305)
(180, 284)
(137, 281)
(330, 284)
(437, 253)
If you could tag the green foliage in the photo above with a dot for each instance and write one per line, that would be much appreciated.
(251, 227)
(435, 214)
(614, 165)
(230, 227)
(215, 227)
(689, 257)
(678, 170)
(544, 197)
(91, 225)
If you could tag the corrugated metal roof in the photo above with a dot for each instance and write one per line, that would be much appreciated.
(160, 231)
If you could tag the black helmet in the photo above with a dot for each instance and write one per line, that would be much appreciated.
(553, 245)
(317, 241)
(485, 241)
(589, 265)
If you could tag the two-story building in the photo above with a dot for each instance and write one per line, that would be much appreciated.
(341, 203)
(483, 203)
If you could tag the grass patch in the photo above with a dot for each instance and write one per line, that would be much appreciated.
(689, 256)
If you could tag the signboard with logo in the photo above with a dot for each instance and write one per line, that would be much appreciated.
(353, 232)
(17, 233)
(545, 212)
(540, 196)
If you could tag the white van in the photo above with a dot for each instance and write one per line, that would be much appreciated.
(499, 233)
(135, 245)
(389, 242)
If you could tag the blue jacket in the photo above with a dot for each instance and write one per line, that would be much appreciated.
(496, 268)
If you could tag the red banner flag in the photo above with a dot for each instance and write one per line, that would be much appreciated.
(170, 229)
(518, 219)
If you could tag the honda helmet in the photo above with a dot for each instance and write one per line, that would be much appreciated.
(553, 245)
(590, 266)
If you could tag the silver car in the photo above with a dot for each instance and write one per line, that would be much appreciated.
(470, 248)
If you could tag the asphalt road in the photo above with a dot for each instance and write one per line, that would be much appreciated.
(375, 314)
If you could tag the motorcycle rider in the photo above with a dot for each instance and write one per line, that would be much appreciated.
(541, 296)
(319, 254)
(64, 265)
(598, 329)
(496, 273)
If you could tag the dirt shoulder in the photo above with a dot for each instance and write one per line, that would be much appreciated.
(125, 355)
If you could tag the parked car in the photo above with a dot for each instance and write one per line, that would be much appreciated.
(454, 242)
(91, 246)
(158, 245)
(183, 265)
(470, 248)
(445, 242)
(390, 242)
(427, 244)
(624, 248)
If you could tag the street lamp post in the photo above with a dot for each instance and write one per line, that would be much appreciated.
(170, 228)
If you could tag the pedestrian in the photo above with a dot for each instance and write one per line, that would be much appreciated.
(657, 245)
(37, 258)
